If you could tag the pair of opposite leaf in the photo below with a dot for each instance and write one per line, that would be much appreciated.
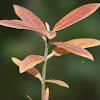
(31, 22)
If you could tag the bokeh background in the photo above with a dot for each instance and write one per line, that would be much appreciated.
(81, 74)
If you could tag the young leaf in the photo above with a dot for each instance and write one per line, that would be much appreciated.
(82, 42)
(19, 25)
(58, 51)
(50, 34)
(76, 15)
(85, 42)
(58, 82)
(47, 94)
(28, 17)
(47, 26)
(74, 49)
(32, 71)
(15, 24)
(29, 62)
(31, 19)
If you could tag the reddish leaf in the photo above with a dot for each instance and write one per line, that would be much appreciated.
(47, 94)
(32, 71)
(15, 24)
(35, 72)
(59, 82)
(30, 62)
(58, 51)
(30, 22)
(19, 25)
(84, 43)
(50, 34)
(28, 17)
(74, 49)
(76, 15)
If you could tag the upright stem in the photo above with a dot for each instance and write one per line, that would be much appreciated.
(44, 69)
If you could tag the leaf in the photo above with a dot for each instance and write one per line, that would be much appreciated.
(47, 94)
(85, 42)
(47, 26)
(58, 82)
(74, 49)
(32, 71)
(50, 34)
(29, 97)
(19, 25)
(35, 72)
(15, 24)
(82, 42)
(29, 62)
(31, 19)
(58, 51)
(76, 15)
(28, 17)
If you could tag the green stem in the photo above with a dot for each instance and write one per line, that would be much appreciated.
(44, 70)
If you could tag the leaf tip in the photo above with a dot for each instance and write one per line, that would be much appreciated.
(21, 71)
(14, 5)
(68, 86)
(13, 58)
(92, 58)
(16, 61)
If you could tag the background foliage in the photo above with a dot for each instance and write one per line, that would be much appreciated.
(81, 74)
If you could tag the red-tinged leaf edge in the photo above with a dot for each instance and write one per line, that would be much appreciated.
(76, 15)
(74, 49)
(32, 71)
(58, 82)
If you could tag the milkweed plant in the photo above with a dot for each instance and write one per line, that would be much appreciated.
(30, 21)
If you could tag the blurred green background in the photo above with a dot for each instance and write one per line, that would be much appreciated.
(81, 74)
